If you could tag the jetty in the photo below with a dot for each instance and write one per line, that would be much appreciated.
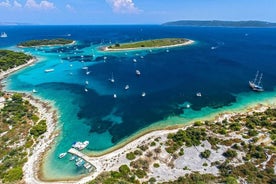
(91, 161)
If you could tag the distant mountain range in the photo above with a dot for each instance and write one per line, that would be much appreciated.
(218, 23)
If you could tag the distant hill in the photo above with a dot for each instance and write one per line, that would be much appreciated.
(218, 23)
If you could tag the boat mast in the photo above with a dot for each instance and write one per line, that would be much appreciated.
(260, 79)
(257, 74)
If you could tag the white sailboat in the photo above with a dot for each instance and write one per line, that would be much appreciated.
(257, 86)
(126, 87)
(112, 80)
(3, 35)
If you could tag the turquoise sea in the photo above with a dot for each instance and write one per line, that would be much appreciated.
(219, 65)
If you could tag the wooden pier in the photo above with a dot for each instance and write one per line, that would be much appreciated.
(81, 155)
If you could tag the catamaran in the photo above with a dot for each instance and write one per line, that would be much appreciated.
(257, 86)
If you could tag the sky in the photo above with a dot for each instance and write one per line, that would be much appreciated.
(98, 12)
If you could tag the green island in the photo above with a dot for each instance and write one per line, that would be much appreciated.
(45, 42)
(156, 43)
(10, 59)
(234, 150)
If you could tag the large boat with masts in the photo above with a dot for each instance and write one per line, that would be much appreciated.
(256, 84)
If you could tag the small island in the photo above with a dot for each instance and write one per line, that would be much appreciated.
(45, 42)
(149, 44)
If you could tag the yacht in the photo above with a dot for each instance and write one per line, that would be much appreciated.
(198, 94)
(86, 82)
(114, 95)
(134, 60)
(143, 94)
(256, 85)
(79, 163)
(80, 145)
(3, 35)
(85, 89)
(34, 91)
(126, 87)
(138, 72)
(87, 165)
(49, 70)
(62, 155)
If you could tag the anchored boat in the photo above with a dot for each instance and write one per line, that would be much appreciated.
(257, 86)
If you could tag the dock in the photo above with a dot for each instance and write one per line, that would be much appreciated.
(81, 155)
(73, 151)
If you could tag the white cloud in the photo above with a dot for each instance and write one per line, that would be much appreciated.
(42, 5)
(5, 3)
(70, 8)
(123, 6)
(17, 4)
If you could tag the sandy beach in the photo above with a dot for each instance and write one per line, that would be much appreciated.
(189, 42)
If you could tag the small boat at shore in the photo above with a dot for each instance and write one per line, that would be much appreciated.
(34, 91)
(257, 86)
(72, 158)
(62, 155)
(49, 70)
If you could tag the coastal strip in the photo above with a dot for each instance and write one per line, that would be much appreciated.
(113, 160)
(4, 74)
(47, 112)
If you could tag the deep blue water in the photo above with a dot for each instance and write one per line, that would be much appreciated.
(168, 78)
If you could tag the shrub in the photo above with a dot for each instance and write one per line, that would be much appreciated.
(205, 154)
(124, 169)
(130, 156)
(156, 165)
(39, 129)
(230, 153)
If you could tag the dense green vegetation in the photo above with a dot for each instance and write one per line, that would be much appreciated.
(255, 165)
(33, 43)
(191, 137)
(10, 59)
(16, 120)
(149, 43)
